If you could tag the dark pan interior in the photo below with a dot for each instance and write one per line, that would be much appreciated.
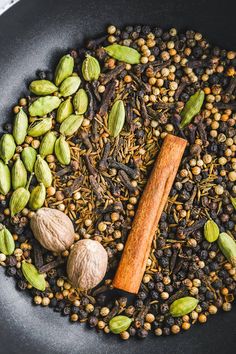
(33, 34)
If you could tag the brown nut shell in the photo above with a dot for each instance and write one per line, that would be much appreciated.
(87, 264)
(53, 229)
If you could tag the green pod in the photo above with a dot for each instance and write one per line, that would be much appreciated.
(20, 127)
(183, 306)
(37, 197)
(116, 118)
(71, 124)
(7, 147)
(69, 86)
(123, 53)
(227, 246)
(44, 105)
(43, 172)
(211, 231)
(64, 110)
(39, 127)
(19, 200)
(28, 156)
(62, 150)
(5, 178)
(119, 324)
(233, 201)
(47, 144)
(192, 108)
(80, 101)
(64, 69)
(18, 174)
(42, 87)
(7, 243)
(90, 68)
(32, 275)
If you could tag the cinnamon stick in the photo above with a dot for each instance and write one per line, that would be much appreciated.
(134, 258)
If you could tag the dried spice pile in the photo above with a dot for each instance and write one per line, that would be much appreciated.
(99, 165)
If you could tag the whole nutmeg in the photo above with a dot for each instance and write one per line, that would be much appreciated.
(53, 229)
(87, 264)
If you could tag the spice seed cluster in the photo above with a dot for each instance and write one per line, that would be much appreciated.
(83, 141)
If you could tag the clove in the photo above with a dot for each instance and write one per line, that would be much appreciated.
(107, 97)
(103, 164)
(94, 85)
(92, 104)
(97, 189)
(94, 43)
(90, 168)
(231, 106)
(139, 320)
(115, 190)
(51, 265)
(133, 173)
(129, 117)
(194, 64)
(231, 87)
(117, 206)
(145, 87)
(105, 78)
(126, 182)
(38, 255)
(192, 133)
(188, 230)
(180, 88)
(68, 191)
(144, 113)
(188, 205)
(63, 171)
(183, 291)
(86, 140)
(95, 133)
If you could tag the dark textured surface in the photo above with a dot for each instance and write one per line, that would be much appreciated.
(33, 34)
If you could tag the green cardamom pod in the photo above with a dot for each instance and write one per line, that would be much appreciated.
(20, 127)
(32, 275)
(28, 156)
(64, 69)
(40, 127)
(123, 53)
(43, 172)
(211, 231)
(18, 174)
(69, 86)
(192, 108)
(62, 150)
(42, 87)
(119, 324)
(7, 147)
(90, 68)
(44, 105)
(19, 198)
(183, 306)
(233, 201)
(71, 124)
(47, 144)
(7, 243)
(116, 118)
(64, 110)
(37, 197)
(80, 101)
(5, 178)
(227, 246)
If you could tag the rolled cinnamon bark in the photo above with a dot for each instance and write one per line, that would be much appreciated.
(137, 248)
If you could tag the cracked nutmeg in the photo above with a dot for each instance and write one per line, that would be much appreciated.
(87, 264)
(53, 229)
